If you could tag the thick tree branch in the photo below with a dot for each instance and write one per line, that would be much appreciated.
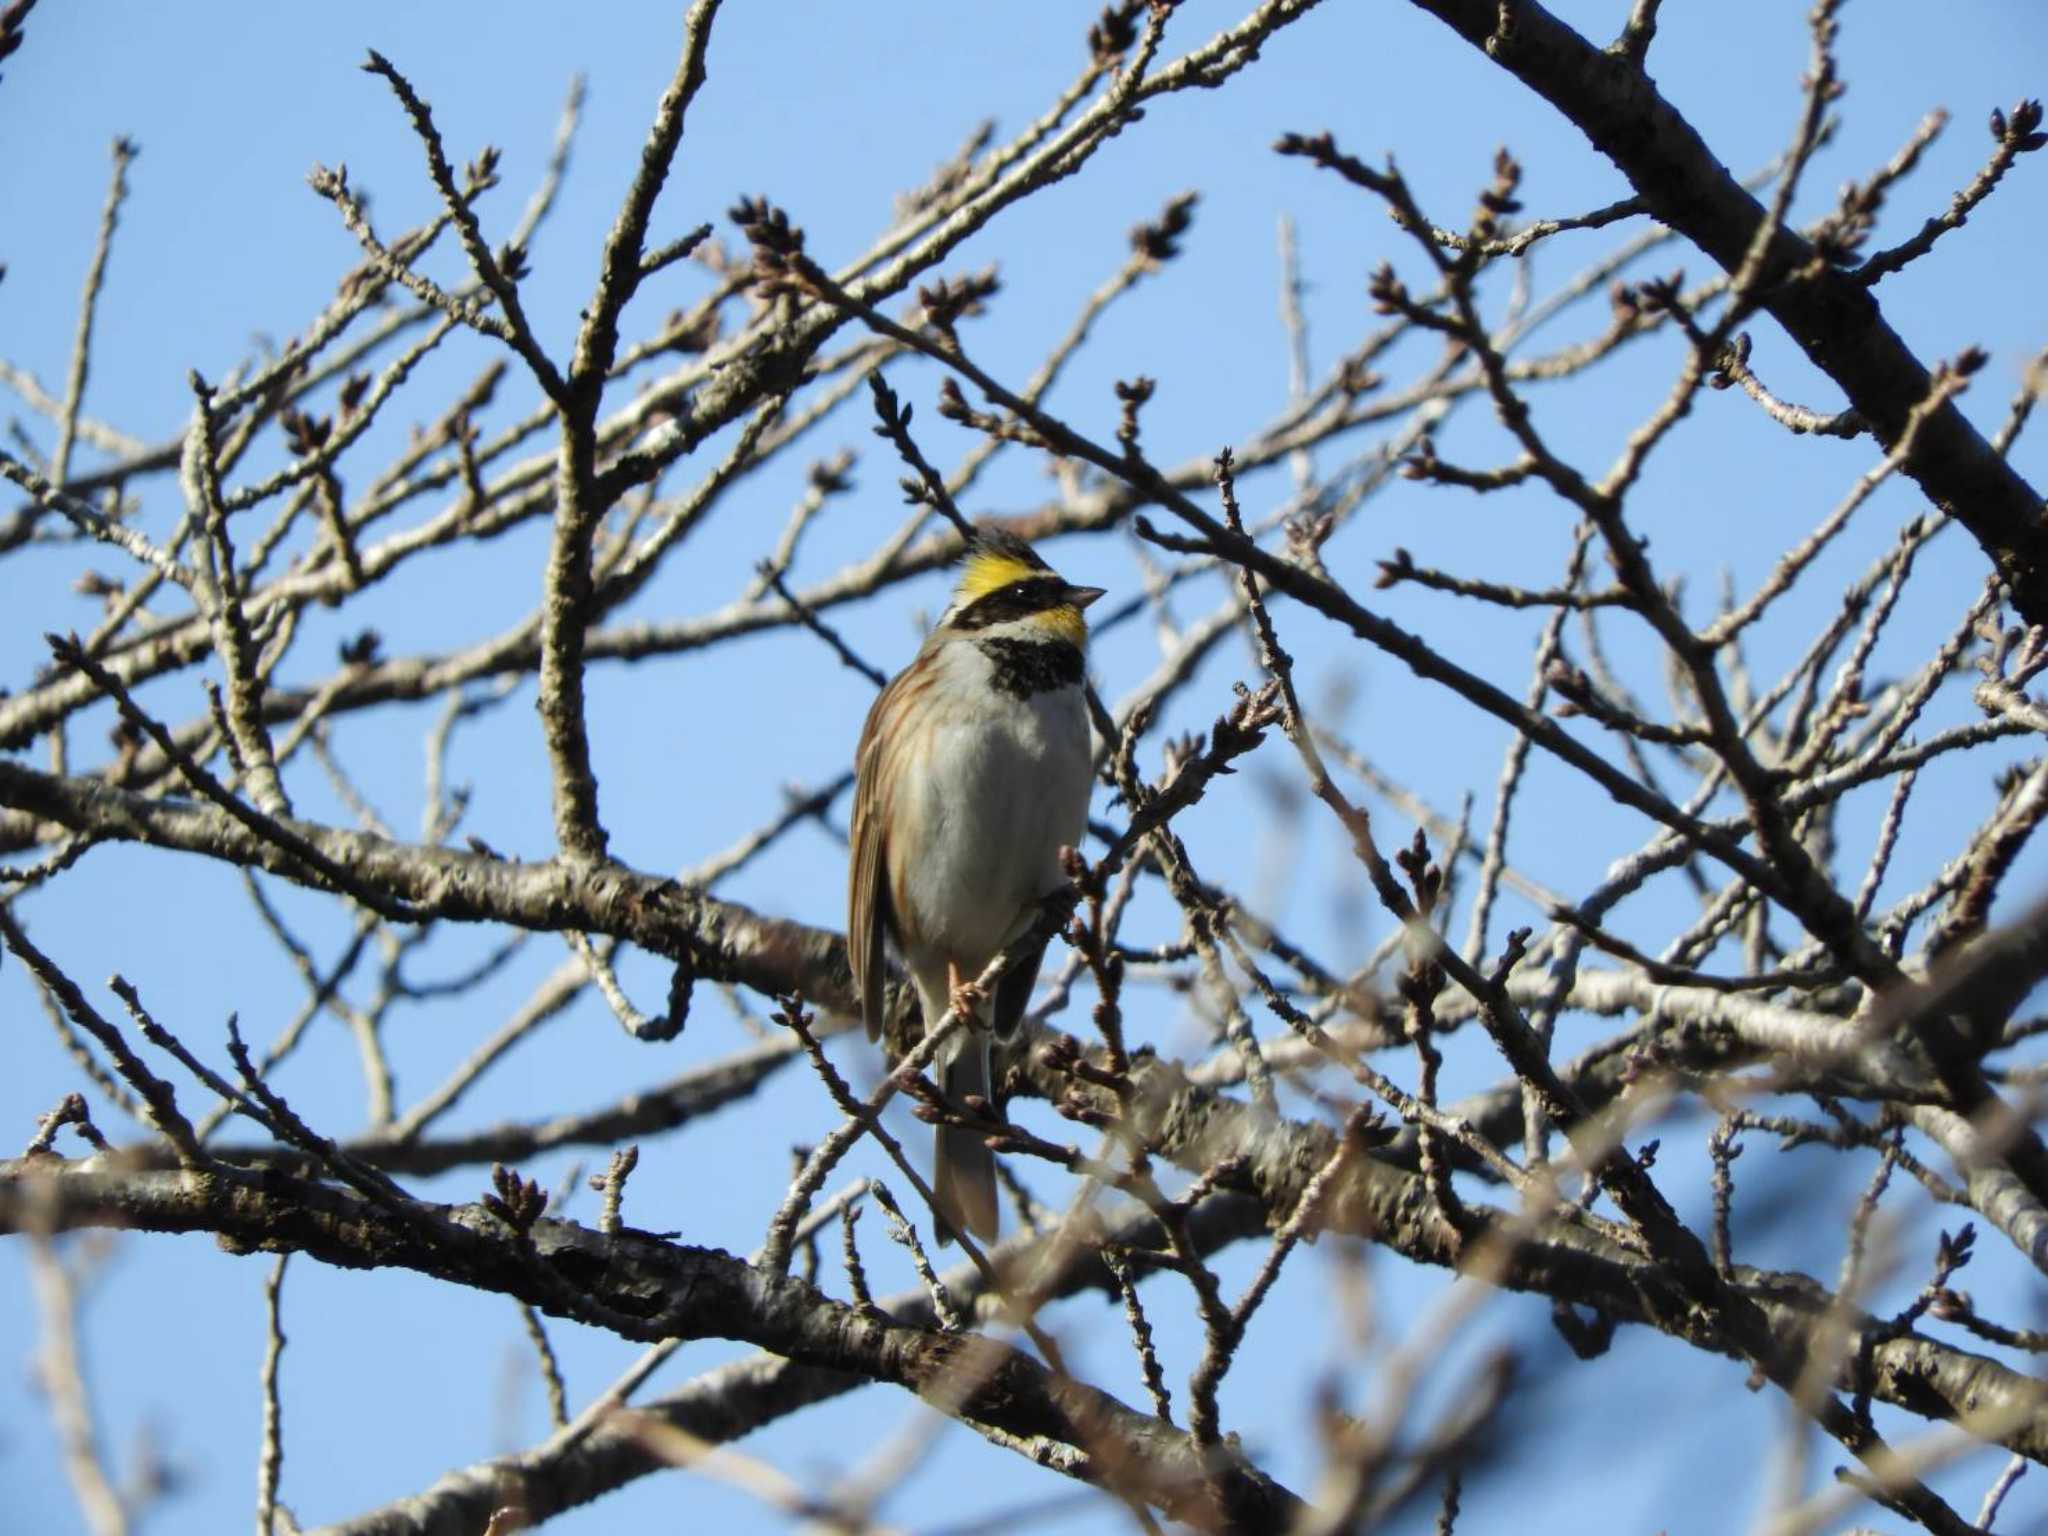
(1199, 1130)
(724, 1404)
(1832, 316)
(655, 1290)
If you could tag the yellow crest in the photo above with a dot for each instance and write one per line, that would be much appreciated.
(988, 567)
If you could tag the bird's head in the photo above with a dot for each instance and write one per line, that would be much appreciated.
(1004, 582)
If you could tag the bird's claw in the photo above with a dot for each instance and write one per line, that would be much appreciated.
(966, 1000)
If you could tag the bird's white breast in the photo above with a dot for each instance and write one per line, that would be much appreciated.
(1002, 787)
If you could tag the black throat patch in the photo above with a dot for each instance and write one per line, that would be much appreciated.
(1026, 667)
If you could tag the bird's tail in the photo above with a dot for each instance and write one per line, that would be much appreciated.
(963, 1168)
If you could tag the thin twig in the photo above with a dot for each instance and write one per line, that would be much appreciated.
(270, 1461)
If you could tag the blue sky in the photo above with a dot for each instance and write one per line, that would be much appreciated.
(830, 110)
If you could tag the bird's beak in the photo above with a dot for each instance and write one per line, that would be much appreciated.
(1081, 597)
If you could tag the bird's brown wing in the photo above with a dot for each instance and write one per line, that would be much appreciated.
(868, 915)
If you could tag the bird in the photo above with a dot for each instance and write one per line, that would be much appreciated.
(972, 775)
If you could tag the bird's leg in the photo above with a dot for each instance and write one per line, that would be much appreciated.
(964, 996)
